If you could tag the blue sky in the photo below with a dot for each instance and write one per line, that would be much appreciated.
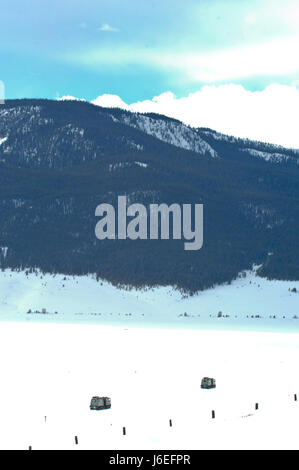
(231, 65)
(138, 49)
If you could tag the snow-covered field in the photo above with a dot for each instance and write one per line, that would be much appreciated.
(152, 376)
(249, 302)
(135, 347)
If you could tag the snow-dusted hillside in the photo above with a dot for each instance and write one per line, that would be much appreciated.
(238, 140)
(249, 302)
(202, 140)
(171, 131)
(74, 131)
(271, 157)
(268, 152)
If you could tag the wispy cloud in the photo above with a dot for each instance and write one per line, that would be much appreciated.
(272, 58)
(108, 28)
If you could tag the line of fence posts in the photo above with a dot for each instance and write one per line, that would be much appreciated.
(170, 421)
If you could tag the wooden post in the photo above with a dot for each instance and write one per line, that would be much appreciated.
(256, 406)
(170, 422)
(213, 414)
(76, 439)
(295, 397)
(124, 431)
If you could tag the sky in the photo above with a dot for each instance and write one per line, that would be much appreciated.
(226, 64)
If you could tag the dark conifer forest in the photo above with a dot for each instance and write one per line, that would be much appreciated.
(59, 160)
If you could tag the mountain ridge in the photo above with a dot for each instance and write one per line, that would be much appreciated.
(131, 119)
(59, 160)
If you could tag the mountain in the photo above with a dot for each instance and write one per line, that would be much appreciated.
(60, 159)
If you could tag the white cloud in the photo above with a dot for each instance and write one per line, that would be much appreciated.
(273, 58)
(69, 98)
(290, 14)
(107, 27)
(110, 101)
(250, 19)
(270, 115)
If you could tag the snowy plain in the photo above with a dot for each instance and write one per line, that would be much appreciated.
(249, 302)
(137, 348)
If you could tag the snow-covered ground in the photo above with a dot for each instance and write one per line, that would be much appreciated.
(49, 372)
(249, 302)
(134, 347)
